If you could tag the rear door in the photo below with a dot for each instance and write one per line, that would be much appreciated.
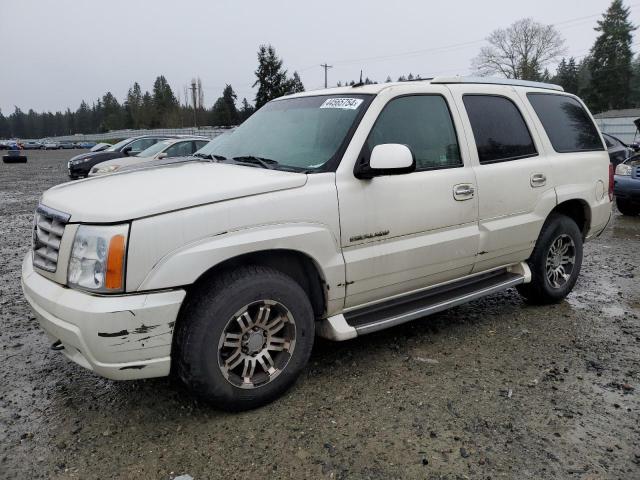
(514, 176)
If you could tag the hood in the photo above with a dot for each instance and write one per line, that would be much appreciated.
(96, 157)
(139, 193)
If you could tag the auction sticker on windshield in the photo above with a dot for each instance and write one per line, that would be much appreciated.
(346, 103)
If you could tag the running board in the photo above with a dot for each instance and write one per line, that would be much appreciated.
(398, 311)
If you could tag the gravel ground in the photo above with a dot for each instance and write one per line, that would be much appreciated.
(492, 389)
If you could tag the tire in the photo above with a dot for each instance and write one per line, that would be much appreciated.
(626, 208)
(551, 286)
(212, 315)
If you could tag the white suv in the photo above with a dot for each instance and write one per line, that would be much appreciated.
(337, 212)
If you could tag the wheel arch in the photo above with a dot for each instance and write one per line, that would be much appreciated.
(579, 211)
(299, 266)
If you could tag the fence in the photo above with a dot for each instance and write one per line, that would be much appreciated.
(209, 132)
(622, 128)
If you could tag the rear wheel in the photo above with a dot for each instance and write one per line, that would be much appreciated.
(627, 208)
(244, 339)
(555, 262)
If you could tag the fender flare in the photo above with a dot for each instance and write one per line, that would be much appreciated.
(187, 264)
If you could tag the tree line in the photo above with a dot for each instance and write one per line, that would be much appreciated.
(159, 108)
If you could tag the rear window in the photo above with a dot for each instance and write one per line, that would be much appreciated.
(566, 122)
(500, 132)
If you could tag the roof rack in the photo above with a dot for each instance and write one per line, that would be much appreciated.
(497, 81)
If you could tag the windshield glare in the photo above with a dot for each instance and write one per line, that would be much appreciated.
(301, 133)
(155, 148)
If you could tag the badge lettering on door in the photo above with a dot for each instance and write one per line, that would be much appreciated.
(368, 236)
(344, 103)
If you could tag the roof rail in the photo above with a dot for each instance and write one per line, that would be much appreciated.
(498, 81)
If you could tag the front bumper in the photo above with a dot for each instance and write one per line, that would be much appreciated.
(627, 188)
(119, 337)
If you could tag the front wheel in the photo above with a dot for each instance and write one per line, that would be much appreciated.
(555, 262)
(243, 340)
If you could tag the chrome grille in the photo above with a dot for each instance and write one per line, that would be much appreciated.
(48, 228)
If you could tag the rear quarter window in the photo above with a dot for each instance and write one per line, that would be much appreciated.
(566, 123)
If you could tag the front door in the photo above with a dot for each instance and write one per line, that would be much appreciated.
(405, 232)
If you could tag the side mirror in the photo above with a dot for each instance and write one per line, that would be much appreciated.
(126, 151)
(388, 159)
(635, 146)
(161, 156)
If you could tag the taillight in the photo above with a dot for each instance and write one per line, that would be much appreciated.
(611, 182)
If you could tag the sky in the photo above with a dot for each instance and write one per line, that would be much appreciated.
(57, 53)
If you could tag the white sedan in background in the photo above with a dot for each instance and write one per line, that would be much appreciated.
(174, 147)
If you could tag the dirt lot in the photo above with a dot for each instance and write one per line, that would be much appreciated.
(493, 389)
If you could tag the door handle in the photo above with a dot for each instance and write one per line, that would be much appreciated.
(463, 191)
(538, 180)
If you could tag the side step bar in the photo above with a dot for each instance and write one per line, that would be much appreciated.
(401, 310)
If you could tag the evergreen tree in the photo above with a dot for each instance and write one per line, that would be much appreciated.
(611, 57)
(635, 82)
(165, 104)
(83, 118)
(111, 113)
(4, 126)
(224, 111)
(272, 79)
(133, 106)
(388, 80)
(246, 110)
(294, 85)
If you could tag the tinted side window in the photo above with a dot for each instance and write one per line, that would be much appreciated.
(423, 123)
(566, 122)
(499, 129)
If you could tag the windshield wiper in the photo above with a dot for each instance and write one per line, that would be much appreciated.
(263, 162)
(209, 156)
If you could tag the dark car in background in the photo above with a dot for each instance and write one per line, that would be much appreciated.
(80, 165)
(626, 186)
(618, 150)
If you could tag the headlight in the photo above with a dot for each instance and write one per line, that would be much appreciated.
(97, 260)
(101, 170)
(623, 169)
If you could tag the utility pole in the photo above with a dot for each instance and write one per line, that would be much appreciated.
(194, 97)
(326, 67)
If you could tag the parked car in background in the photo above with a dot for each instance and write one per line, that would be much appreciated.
(4, 144)
(177, 147)
(617, 149)
(99, 147)
(336, 212)
(627, 186)
(66, 145)
(32, 145)
(51, 145)
(80, 165)
(89, 144)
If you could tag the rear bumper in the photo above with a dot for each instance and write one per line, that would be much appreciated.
(118, 337)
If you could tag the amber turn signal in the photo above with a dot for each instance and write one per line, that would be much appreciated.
(115, 263)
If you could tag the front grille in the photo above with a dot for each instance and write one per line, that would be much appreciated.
(48, 228)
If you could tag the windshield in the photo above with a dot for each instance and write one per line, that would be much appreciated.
(212, 146)
(155, 148)
(300, 133)
(118, 145)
